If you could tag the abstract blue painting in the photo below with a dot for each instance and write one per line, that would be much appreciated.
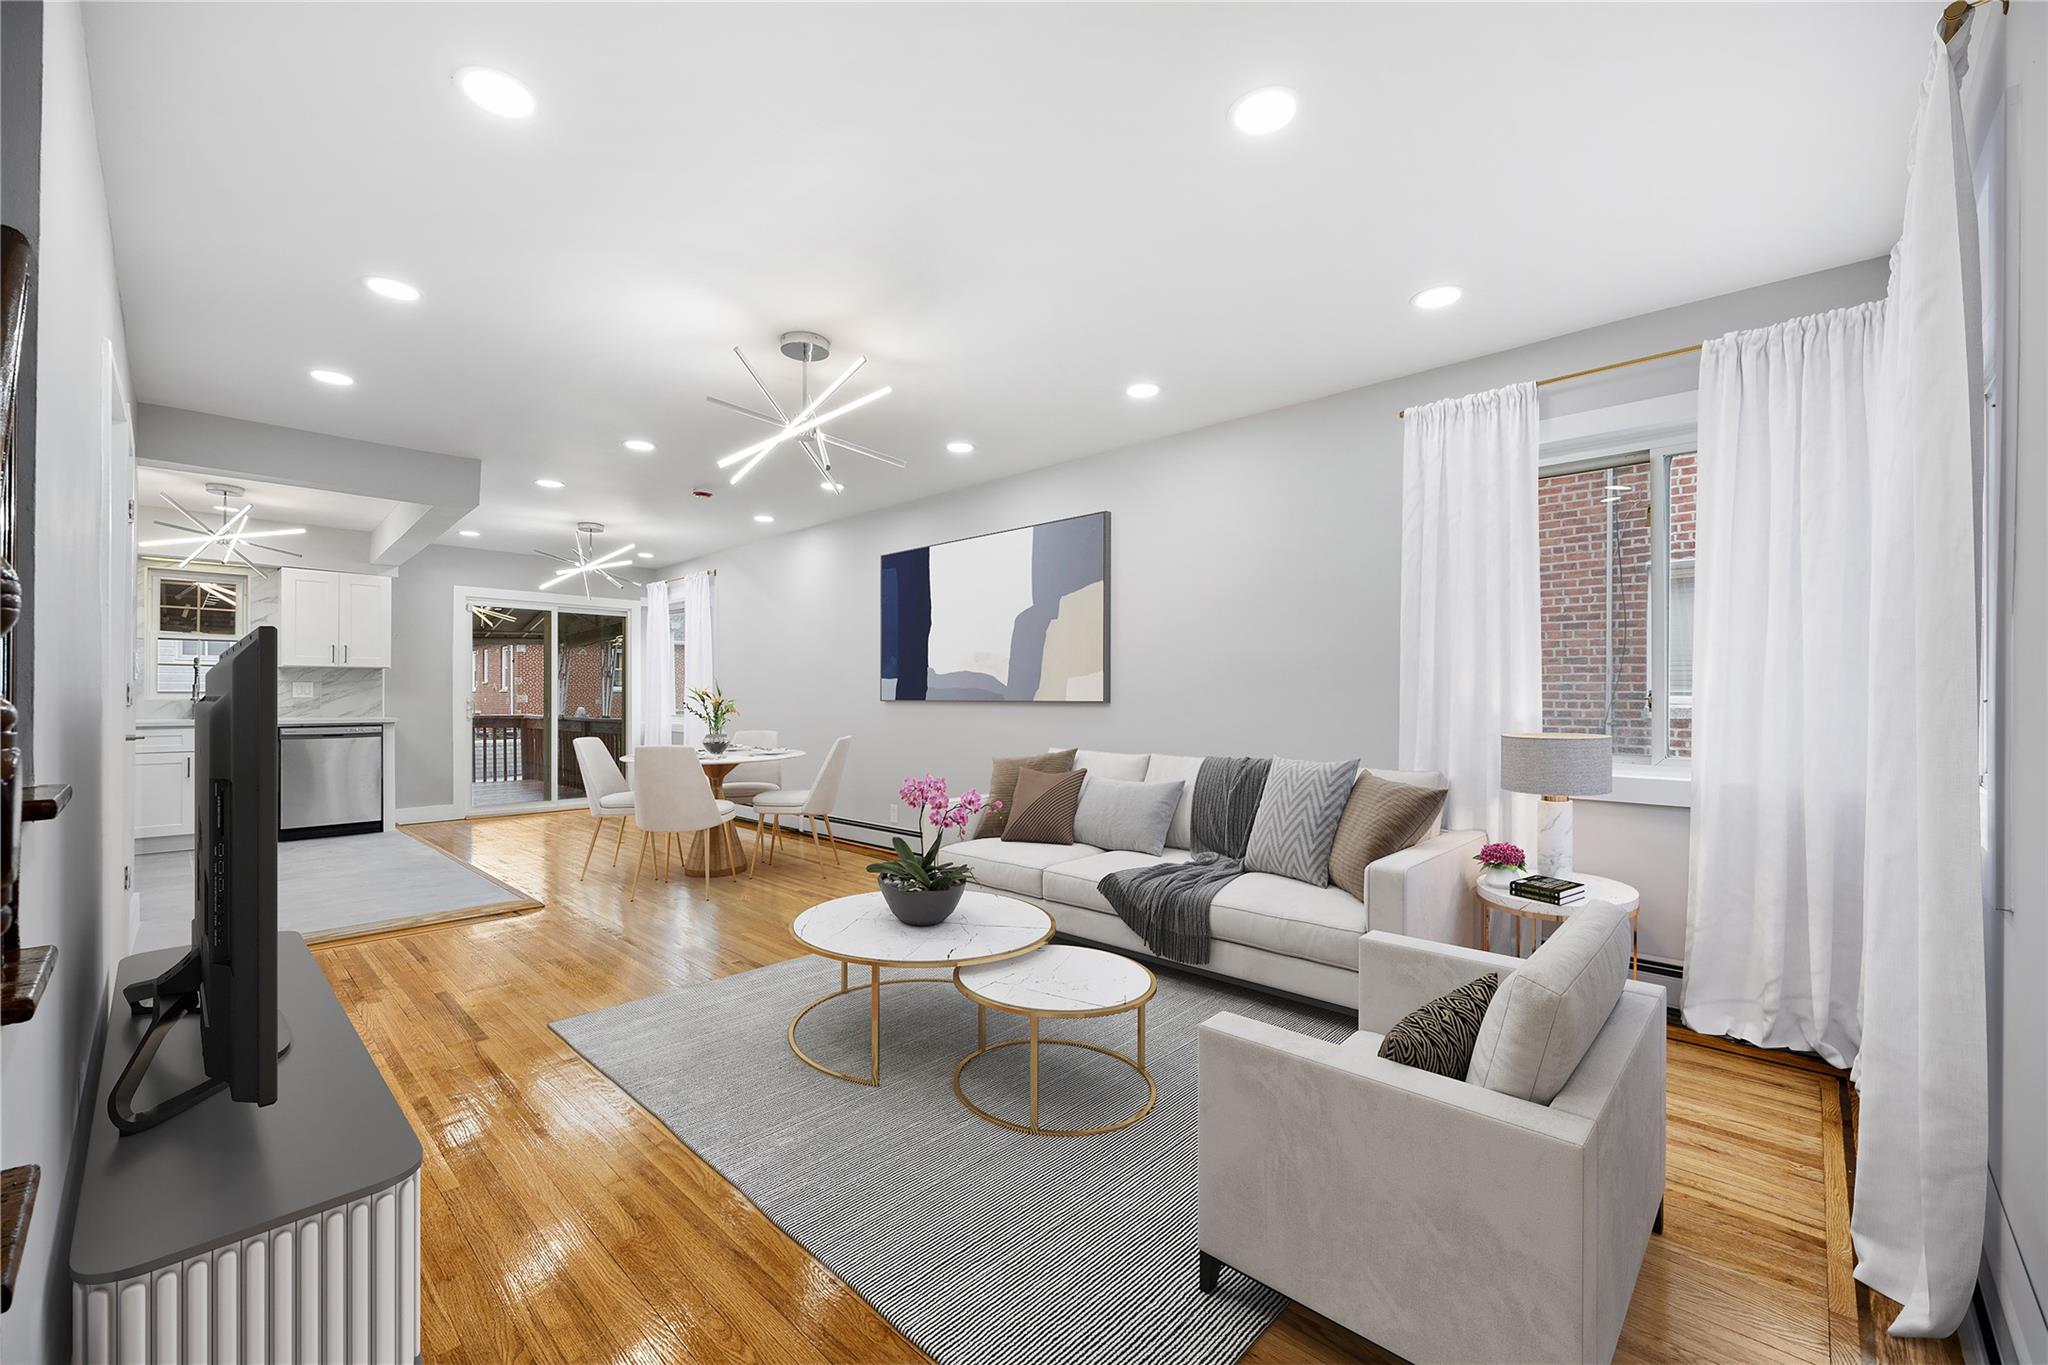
(1017, 615)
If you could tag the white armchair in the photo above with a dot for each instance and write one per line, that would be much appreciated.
(1440, 1219)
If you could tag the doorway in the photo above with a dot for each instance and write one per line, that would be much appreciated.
(539, 679)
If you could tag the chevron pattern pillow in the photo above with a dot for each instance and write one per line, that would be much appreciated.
(1440, 1036)
(1297, 819)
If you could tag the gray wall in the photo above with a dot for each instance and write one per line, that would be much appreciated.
(1254, 582)
(70, 867)
(2016, 930)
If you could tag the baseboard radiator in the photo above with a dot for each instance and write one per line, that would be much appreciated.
(337, 1287)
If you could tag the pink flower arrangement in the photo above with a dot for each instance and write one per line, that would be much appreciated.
(935, 806)
(1504, 855)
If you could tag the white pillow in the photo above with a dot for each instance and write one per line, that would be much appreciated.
(1122, 767)
(1549, 1010)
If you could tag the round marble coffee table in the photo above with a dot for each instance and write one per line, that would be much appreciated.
(860, 930)
(1063, 981)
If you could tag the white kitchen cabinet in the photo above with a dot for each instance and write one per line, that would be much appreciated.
(334, 620)
(163, 785)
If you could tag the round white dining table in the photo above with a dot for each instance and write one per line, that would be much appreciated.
(717, 767)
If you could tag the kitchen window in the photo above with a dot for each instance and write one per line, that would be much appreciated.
(194, 618)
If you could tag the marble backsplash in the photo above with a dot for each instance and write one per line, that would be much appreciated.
(343, 693)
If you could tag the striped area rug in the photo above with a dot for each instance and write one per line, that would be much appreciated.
(977, 1243)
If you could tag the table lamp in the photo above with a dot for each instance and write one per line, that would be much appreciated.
(1556, 768)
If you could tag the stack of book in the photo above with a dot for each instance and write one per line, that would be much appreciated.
(1549, 890)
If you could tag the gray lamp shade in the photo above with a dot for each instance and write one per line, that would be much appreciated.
(1557, 765)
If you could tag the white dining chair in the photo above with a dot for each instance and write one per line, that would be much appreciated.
(813, 803)
(750, 780)
(672, 797)
(608, 792)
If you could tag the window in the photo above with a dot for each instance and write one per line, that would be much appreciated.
(1616, 544)
(195, 617)
(675, 636)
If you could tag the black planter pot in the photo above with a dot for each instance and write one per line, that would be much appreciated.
(921, 908)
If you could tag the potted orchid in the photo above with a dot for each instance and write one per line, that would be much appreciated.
(919, 888)
(1502, 862)
(714, 710)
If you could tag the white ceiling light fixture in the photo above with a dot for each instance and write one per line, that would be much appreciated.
(227, 543)
(959, 447)
(550, 484)
(645, 554)
(1263, 111)
(1437, 296)
(639, 445)
(806, 428)
(384, 287)
(495, 92)
(469, 535)
(588, 560)
(763, 518)
(1143, 389)
(333, 378)
(830, 487)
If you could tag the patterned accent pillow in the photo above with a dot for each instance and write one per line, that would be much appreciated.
(1440, 1036)
(1046, 802)
(1297, 819)
(1002, 785)
(1381, 817)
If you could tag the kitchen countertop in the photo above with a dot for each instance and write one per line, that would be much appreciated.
(283, 722)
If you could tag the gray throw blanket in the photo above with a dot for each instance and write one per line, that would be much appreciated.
(1168, 905)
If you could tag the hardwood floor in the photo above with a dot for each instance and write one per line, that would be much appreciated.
(560, 1221)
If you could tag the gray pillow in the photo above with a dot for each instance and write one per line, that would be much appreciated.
(1547, 1013)
(1297, 819)
(1130, 815)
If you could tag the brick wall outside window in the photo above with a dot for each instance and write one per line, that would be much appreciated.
(1581, 536)
(1685, 487)
(529, 692)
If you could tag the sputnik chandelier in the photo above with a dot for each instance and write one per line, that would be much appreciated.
(226, 543)
(807, 427)
(588, 560)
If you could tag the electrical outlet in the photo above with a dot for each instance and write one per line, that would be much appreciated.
(302, 689)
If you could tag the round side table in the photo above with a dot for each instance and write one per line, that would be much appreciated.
(1062, 981)
(1599, 891)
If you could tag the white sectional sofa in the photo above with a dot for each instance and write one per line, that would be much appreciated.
(1267, 931)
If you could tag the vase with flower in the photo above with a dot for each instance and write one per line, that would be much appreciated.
(712, 707)
(1503, 863)
(920, 889)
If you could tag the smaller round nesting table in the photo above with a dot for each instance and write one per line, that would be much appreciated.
(1599, 891)
(1059, 981)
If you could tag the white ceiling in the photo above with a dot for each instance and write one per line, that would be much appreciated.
(275, 504)
(1013, 210)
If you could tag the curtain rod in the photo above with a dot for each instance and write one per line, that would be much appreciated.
(1621, 364)
(1953, 18)
(681, 576)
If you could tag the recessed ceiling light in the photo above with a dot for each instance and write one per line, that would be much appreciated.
(547, 483)
(763, 518)
(334, 377)
(495, 92)
(1264, 111)
(1144, 389)
(470, 535)
(1438, 296)
(646, 554)
(639, 446)
(831, 487)
(959, 447)
(386, 288)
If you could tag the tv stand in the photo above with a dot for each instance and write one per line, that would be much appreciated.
(281, 1231)
(167, 999)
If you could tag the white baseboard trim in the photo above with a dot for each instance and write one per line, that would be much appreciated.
(2012, 1302)
(427, 815)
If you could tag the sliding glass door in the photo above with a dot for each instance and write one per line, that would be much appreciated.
(539, 679)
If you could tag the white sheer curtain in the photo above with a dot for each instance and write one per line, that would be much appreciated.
(700, 669)
(1918, 1218)
(654, 671)
(1836, 869)
(1471, 602)
(1782, 676)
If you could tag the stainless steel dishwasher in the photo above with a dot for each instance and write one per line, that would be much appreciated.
(330, 780)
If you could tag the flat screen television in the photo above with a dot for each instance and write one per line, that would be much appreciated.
(229, 977)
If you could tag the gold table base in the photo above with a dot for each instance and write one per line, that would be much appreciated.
(983, 1047)
(872, 986)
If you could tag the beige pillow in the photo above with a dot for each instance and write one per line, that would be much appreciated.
(1381, 817)
(1045, 808)
(1002, 785)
